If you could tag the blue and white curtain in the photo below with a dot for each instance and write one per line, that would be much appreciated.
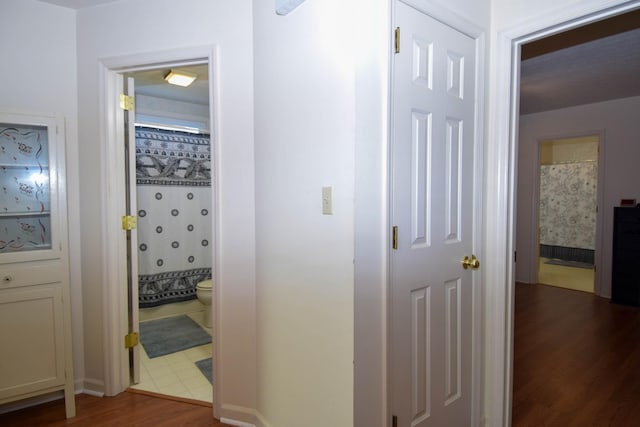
(174, 214)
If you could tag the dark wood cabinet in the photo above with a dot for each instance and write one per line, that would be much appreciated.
(625, 271)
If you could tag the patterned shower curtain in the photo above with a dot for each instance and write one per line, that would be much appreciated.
(173, 174)
(568, 208)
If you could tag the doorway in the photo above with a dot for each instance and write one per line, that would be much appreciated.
(560, 122)
(567, 212)
(173, 199)
(117, 309)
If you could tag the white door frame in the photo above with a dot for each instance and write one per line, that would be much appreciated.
(501, 160)
(114, 274)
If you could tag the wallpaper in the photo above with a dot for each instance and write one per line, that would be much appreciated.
(568, 205)
(174, 220)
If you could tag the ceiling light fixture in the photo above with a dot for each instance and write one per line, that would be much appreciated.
(180, 78)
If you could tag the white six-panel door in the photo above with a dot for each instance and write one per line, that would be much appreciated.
(432, 310)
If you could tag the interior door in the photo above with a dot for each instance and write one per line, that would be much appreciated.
(132, 235)
(432, 294)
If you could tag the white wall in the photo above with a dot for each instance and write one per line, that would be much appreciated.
(475, 11)
(157, 25)
(618, 120)
(38, 43)
(371, 214)
(304, 115)
(506, 13)
(152, 110)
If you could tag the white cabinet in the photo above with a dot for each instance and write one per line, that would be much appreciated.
(35, 331)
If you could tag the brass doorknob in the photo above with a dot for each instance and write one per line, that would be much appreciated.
(472, 263)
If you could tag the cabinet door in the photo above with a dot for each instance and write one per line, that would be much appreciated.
(32, 337)
(31, 183)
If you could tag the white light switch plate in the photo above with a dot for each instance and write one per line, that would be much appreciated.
(327, 201)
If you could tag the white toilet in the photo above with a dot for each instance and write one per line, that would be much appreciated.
(204, 294)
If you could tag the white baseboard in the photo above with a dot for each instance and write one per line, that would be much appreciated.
(90, 392)
(238, 416)
(261, 421)
(31, 401)
(236, 423)
(90, 387)
(93, 387)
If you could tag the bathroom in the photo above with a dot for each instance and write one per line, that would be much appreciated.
(174, 234)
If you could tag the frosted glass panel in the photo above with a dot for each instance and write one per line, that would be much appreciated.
(24, 188)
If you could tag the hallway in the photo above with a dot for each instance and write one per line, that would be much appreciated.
(576, 359)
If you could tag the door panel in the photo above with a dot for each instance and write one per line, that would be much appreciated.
(32, 355)
(432, 205)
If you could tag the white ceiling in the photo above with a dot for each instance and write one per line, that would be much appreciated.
(596, 71)
(152, 83)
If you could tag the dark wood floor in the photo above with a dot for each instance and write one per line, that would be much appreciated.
(576, 360)
(125, 409)
(576, 364)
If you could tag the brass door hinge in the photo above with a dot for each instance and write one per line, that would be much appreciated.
(129, 222)
(131, 340)
(397, 40)
(126, 102)
(394, 237)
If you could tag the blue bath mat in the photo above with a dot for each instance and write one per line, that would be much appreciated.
(170, 335)
(205, 367)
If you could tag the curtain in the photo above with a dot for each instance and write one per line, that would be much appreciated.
(173, 181)
(568, 205)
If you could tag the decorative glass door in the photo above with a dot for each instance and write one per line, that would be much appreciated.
(25, 206)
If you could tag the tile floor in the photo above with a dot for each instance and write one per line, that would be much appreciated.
(579, 279)
(176, 374)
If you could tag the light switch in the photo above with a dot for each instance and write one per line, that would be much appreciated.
(327, 201)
